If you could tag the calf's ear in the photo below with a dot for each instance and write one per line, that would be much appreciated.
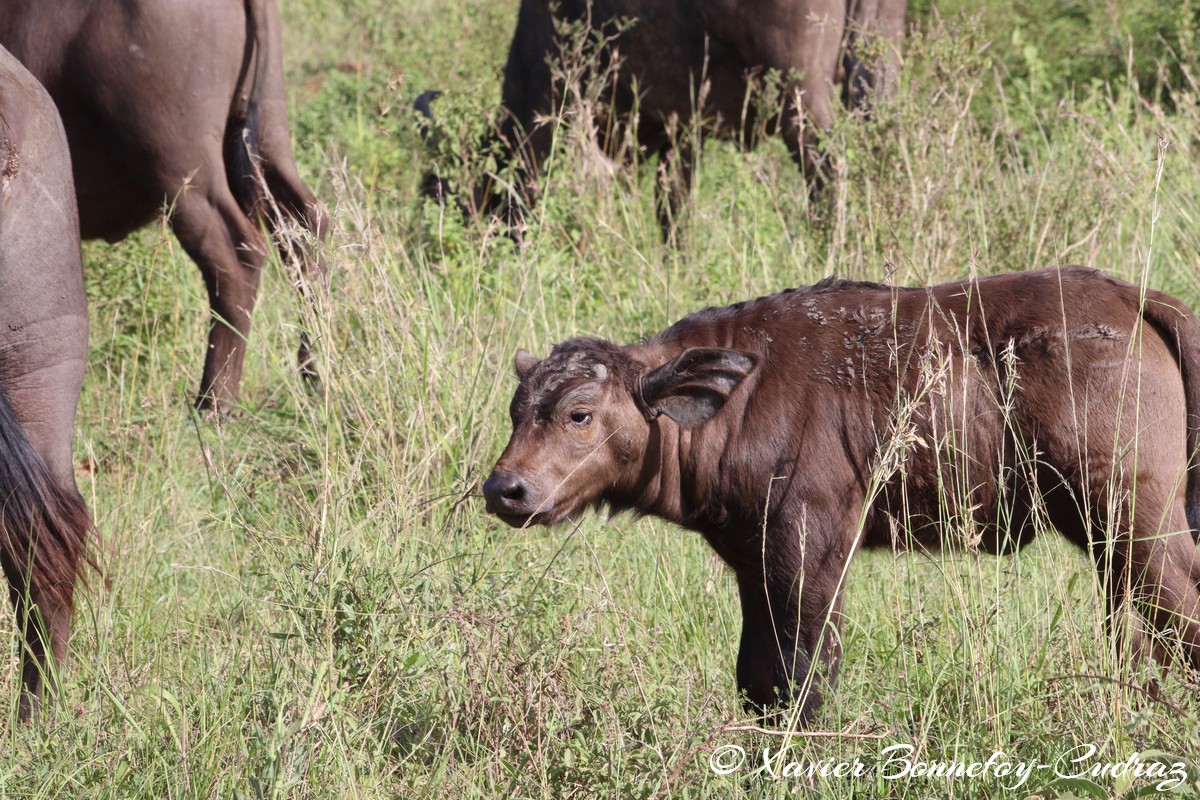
(523, 362)
(693, 386)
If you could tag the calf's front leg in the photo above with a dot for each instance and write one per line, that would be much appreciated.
(791, 643)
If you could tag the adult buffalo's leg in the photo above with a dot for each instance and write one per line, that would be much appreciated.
(529, 147)
(229, 250)
(294, 202)
(532, 100)
(874, 40)
(802, 127)
(44, 524)
(212, 227)
(42, 584)
(44, 620)
(291, 201)
(806, 52)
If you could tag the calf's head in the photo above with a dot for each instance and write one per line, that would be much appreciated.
(583, 417)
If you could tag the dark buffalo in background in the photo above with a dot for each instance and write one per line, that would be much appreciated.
(177, 103)
(43, 355)
(677, 54)
(793, 429)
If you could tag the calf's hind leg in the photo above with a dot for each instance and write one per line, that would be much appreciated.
(1127, 629)
(1160, 572)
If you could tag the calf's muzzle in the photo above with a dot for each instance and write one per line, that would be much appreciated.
(509, 497)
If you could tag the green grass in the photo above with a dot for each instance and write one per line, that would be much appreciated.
(310, 601)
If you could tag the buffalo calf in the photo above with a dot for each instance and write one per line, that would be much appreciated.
(43, 353)
(794, 429)
(178, 103)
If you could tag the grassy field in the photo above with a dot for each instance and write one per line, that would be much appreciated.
(309, 601)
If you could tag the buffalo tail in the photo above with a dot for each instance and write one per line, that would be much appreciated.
(243, 130)
(46, 527)
(1180, 328)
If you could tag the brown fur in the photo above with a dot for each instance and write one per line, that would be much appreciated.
(793, 429)
(178, 104)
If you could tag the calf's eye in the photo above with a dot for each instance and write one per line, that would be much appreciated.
(579, 419)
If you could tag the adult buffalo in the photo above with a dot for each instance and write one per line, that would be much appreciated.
(43, 353)
(673, 58)
(177, 103)
(793, 429)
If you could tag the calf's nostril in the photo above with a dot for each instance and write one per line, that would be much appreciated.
(506, 492)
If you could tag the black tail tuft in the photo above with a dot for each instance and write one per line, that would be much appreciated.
(46, 528)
